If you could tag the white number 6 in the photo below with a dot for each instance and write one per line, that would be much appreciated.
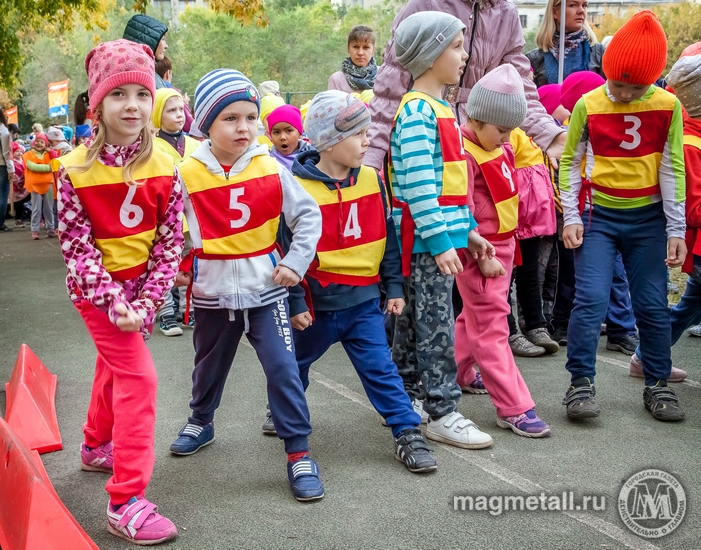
(234, 204)
(507, 174)
(130, 214)
(632, 132)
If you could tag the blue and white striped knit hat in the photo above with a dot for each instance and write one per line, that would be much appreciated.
(216, 90)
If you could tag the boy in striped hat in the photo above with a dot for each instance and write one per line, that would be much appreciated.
(234, 193)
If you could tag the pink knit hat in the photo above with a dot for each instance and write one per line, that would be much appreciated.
(113, 64)
(42, 135)
(286, 113)
(550, 97)
(576, 85)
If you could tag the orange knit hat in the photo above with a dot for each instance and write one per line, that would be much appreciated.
(637, 53)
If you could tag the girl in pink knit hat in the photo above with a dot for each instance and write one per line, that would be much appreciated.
(120, 211)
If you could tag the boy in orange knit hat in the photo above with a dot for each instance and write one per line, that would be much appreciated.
(624, 163)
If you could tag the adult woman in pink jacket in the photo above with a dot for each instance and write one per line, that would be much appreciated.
(493, 37)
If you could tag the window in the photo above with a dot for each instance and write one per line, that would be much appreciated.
(524, 21)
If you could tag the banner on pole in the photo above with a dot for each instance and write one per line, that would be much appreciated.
(58, 98)
(11, 115)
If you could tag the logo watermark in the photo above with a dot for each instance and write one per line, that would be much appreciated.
(496, 505)
(652, 503)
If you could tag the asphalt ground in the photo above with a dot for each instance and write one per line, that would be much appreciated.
(235, 494)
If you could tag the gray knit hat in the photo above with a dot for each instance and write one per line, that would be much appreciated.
(498, 98)
(685, 78)
(332, 117)
(422, 37)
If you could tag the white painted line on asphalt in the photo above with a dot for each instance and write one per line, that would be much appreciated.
(502, 473)
(623, 365)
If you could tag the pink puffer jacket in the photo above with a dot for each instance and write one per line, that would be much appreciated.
(498, 40)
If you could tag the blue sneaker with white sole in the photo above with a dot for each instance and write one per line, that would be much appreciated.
(304, 479)
(192, 438)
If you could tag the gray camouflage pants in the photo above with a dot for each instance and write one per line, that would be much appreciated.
(424, 338)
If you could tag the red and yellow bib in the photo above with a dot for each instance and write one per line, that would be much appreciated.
(190, 146)
(626, 164)
(354, 233)
(124, 218)
(501, 183)
(526, 152)
(239, 216)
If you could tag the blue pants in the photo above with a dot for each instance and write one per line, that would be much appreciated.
(620, 320)
(640, 236)
(687, 312)
(361, 331)
(216, 337)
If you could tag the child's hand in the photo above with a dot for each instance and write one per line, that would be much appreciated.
(491, 268)
(395, 306)
(128, 320)
(479, 247)
(573, 235)
(301, 321)
(284, 276)
(183, 279)
(449, 262)
(676, 252)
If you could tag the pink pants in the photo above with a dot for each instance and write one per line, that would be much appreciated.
(122, 405)
(482, 334)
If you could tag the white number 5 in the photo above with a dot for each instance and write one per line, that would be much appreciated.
(632, 132)
(234, 204)
(130, 214)
(507, 174)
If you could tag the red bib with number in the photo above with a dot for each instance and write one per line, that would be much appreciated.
(238, 216)
(354, 233)
(627, 142)
(124, 218)
(501, 183)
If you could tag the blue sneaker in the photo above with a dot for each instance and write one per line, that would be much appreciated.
(304, 479)
(192, 438)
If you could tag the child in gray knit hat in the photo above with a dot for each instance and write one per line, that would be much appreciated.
(357, 251)
(428, 175)
(496, 106)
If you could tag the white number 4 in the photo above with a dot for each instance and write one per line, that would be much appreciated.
(632, 132)
(352, 226)
(130, 215)
(234, 204)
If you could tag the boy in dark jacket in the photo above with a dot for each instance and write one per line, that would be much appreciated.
(358, 249)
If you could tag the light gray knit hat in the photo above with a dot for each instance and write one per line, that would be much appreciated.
(332, 117)
(422, 37)
(685, 78)
(498, 98)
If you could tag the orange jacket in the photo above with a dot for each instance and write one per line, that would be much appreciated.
(37, 182)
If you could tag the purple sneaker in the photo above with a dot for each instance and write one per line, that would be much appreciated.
(476, 386)
(527, 424)
(139, 522)
(98, 459)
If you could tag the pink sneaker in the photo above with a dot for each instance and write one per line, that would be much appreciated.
(51, 233)
(139, 522)
(35, 235)
(98, 459)
(476, 386)
(636, 371)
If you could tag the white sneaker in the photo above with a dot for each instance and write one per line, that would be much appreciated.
(454, 429)
(418, 409)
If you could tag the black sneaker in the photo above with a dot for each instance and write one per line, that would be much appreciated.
(662, 402)
(5, 229)
(269, 425)
(625, 344)
(560, 336)
(411, 449)
(169, 326)
(580, 401)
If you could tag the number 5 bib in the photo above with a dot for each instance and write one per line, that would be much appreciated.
(238, 217)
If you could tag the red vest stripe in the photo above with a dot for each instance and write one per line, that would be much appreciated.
(610, 133)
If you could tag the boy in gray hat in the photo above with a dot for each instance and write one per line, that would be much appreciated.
(428, 174)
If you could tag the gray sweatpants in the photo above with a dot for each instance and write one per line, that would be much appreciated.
(43, 204)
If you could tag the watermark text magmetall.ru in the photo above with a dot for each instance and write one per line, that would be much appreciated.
(497, 505)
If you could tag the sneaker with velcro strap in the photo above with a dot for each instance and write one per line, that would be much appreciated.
(662, 402)
(97, 459)
(269, 425)
(454, 429)
(169, 326)
(412, 449)
(580, 400)
(305, 483)
(192, 438)
(139, 522)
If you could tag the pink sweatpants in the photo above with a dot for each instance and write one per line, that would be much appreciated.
(122, 405)
(482, 334)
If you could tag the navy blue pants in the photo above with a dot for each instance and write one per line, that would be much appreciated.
(640, 236)
(687, 312)
(216, 339)
(361, 331)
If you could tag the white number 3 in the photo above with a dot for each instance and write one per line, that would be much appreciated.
(632, 132)
(130, 214)
(234, 204)
(352, 228)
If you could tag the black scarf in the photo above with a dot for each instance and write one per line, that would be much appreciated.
(359, 78)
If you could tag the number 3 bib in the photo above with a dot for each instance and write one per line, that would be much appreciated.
(238, 217)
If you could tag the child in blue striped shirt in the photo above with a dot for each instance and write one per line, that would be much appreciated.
(428, 174)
